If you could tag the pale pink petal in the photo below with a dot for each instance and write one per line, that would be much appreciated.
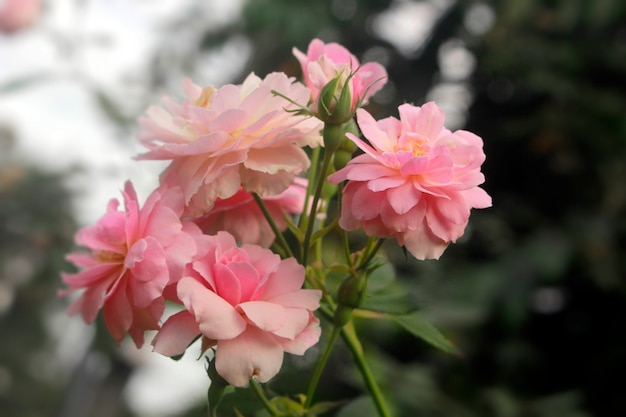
(307, 299)
(385, 183)
(365, 204)
(426, 120)
(118, 315)
(266, 184)
(305, 339)
(82, 260)
(377, 137)
(422, 245)
(268, 317)
(272, 160)
(254, 353)
(216, 317)
(149, 272)
(103, 272)
(176, 334)
(477, 198)
(403, 197)
(288, 278)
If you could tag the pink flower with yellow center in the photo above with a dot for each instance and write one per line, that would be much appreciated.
(134, 254)
(241, 216)
(246, 302)
(416, 181)
(220, 140)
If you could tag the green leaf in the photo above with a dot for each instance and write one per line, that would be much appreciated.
(362, 407)
(287, 407)
(324, 231)
(293, 228)
(322, 407)
(382, 278)
(415, 324)
(391, 302)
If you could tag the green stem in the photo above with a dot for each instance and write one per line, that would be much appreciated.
(351, 339)
(316, 198)
(279, 236)
(256, 387)
(320, 367)
(315, 157)
(370, 252)
(344, 233)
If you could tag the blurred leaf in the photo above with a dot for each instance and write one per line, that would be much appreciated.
(393, 301)
(361, 407)
(415, 324)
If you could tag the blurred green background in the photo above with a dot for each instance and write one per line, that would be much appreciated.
(534, 294)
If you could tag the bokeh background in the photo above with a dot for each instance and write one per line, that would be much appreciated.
(535, 293)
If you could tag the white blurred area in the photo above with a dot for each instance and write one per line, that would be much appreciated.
(73, 85)
(65, 80)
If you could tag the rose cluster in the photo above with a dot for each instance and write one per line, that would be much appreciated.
(236, 179)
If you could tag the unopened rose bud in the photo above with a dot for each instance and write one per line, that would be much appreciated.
(334, 104)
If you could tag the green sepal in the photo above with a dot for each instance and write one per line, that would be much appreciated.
(326, 99)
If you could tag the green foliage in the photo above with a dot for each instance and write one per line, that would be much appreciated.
(417, 326)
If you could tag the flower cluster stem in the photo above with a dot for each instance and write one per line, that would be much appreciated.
(277, 233)
(319, 186)
(354, 345)
(321, 364)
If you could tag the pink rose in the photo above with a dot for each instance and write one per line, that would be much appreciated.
(248, 303)
(134, 254)
(325, 62)
(18, 14)
(241, 216)
(416, 182)
(238, 135)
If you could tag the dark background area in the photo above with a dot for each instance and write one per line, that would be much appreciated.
(534, 294)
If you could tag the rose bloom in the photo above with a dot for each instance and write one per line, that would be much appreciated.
(241, 216)
(248, 303)
(133, 255)
(416, 180)
(324, 62)
(238, 135)
(18, 14)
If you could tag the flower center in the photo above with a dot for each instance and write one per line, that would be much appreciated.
(109, 257)
(205, 97)
(411, 142)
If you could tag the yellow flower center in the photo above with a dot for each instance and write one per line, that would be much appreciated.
(205, 97)
(410, 142)
(108, 257)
